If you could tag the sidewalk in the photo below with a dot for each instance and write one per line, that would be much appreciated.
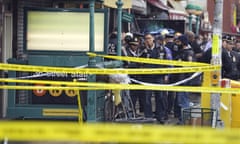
(195, 100)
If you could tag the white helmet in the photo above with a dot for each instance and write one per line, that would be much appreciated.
(129, 34)
(164, 32)
(128, 37)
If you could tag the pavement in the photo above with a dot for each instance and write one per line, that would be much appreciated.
(172, 121)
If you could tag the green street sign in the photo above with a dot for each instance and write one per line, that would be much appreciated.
(126, 17)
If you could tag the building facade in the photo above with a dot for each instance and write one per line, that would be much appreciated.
(230, 18)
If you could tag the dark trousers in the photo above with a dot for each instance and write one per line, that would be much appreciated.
(160, 100)
(170, 97)
(161, 105)
(176, 109)
(148, 104)
(137, 95)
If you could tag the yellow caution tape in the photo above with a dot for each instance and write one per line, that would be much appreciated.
(80, 111)
(150, 60)
(102, 86)
(114, 133)
(31, 68)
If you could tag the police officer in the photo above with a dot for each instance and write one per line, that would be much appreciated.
(132, 50)
(169, 39)
(157, 51)
(172, 99)
(226, 59)
(185, 54)
(234, 58)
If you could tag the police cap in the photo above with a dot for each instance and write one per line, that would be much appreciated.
(226, 37)
(231, 39)
(134, 41)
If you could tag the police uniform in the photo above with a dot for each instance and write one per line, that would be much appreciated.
(226, 60)
(234, 59)
(174, 50)
(156, 52)
(128, 51)
(186, 54)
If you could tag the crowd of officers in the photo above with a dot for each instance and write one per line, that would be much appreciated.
(180, 47)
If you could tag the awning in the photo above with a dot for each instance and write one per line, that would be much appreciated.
(176, 15)
(159, 4)
(177, 12)
(176, 5)
(140, 6)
